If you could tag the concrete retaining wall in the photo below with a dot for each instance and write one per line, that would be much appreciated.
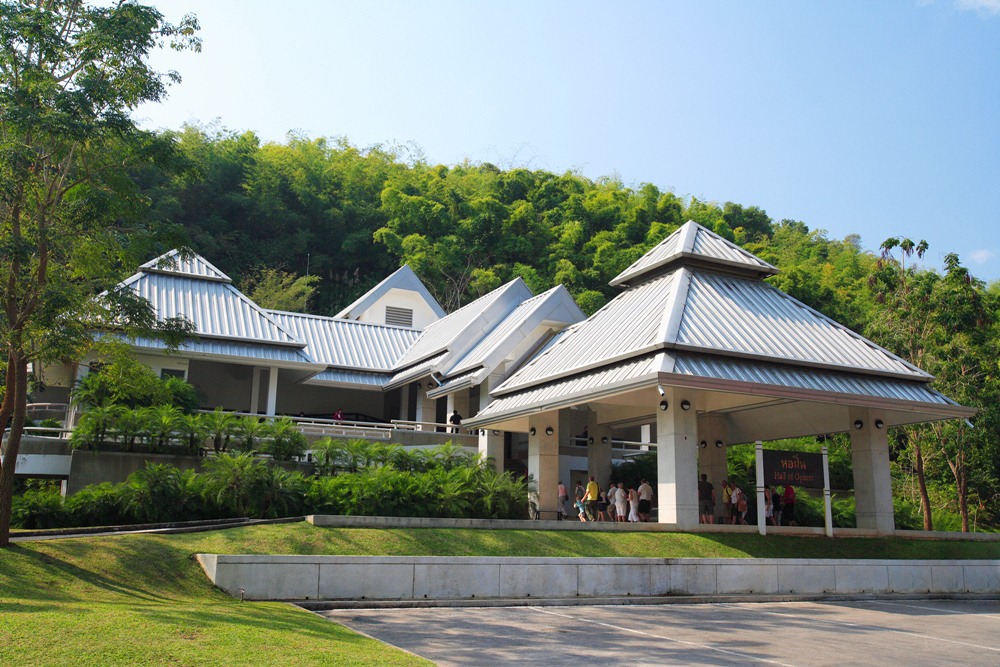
(456, 578)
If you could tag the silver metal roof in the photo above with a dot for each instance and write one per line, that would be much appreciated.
(216, 309)
(570, 391)
(461, 330)
(349, 378)
(348, 343)
(456, 382)
(556, 306)
(412, 373)
(826, 381)
(630, 324)
(190, 265)
(752, 318)
(404, 278)
(247, 352)
(692, 240)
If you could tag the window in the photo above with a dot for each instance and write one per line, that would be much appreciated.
(399, 317)
(171, 373)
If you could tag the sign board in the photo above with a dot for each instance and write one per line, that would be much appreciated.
(794, 468)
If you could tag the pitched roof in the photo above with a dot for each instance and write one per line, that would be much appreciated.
(184, 264)
(694, 243)
(403, 278)
(348, 344)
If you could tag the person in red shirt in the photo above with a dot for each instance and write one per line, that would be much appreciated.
(788, 506)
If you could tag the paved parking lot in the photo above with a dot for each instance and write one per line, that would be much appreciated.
(911, 633)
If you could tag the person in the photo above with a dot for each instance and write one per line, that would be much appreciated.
(621, 503)
(563, 497)
(633, 505)
(776, 503)
(456, 421)
(609, 495)
(768, 505)
(727, 502)
(338, 415)
(591, 498)
(706, 499)
(645, 500)
(578, 495)
(739, 505)
(788, 505)
(602, 505)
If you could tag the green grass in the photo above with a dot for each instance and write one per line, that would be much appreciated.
(142, 599)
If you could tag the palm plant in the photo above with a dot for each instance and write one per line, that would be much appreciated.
(283, 440)
(95, 425)
(247, 432)
(219, 424)
(163, 421)
(153, 494)
(280, 493)
(130, 425)
(232, 481)
(194, 431)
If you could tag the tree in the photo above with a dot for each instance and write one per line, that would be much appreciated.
(70, 74)
(278, 290)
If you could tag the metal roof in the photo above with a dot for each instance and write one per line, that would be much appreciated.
(461, 330)
(556, 305)
(425, 367)
(569, 391)
(693, 242)
(826, 381)
(349, 378)
(216, 309)
(403, 278)
(250, 352)
(628, 325)
(752, 318)
(456, 382)
(188, 264)
(348, 343)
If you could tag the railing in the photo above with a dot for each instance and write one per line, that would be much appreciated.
(433, 427)
(47, 410)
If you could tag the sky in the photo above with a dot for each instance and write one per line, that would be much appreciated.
(873, 118)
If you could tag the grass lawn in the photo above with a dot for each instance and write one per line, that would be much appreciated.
(143, 600)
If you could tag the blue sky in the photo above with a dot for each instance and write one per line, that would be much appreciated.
(856, 117)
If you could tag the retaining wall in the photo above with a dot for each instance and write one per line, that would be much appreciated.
(298, 578)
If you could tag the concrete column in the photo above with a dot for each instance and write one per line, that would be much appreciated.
(490, 443)
(255, 392)
(426, 407)
(599, 451)
(460, 402)
(404, 402)
(272, 392)
(543, 461)
(712, 460)
(872, 482)
(677, 461)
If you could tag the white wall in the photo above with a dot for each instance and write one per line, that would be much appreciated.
(423, 315)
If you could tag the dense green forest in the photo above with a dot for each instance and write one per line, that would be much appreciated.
(312, 223)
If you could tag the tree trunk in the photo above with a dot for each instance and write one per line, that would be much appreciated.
(925, 501)
(15, 405)
(963, 490)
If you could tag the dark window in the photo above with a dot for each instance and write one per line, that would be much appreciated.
(171, 373)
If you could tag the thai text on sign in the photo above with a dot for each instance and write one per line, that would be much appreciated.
(794, 468)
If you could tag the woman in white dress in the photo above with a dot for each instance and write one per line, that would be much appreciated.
(621, 503)
(633, 505)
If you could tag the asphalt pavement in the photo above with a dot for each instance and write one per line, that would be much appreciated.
(873, 632)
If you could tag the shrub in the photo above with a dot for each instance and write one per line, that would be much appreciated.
(282, 439)
(38, 508)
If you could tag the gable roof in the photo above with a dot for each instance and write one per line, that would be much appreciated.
(184, 264)
(403, 278)
(692, 243)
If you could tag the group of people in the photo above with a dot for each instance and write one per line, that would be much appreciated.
(779, 506)
(617, 503)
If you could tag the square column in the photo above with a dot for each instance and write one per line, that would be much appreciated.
(599, 451)
(426, 407)
(712, 460)
(490, 443)
(543, 462)
(677, 461)
(272, 391)
(872, 480)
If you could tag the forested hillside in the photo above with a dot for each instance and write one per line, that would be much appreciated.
(272, 214)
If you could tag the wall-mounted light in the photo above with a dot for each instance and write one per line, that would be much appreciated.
(685, 405)
(548, 430)
(659, 388)
(430, 384)
(858, 423)
(664, 405)
(718, 443)
(604, 440)
(419, 385)
(879, 423)
(703, 444)
(532, 431)
(590, 440)
(496, 432)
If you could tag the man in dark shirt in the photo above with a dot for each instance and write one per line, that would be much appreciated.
(706, 500)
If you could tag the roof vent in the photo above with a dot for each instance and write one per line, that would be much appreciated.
(399, 317)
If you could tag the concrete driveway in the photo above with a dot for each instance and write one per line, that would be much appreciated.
(912, 633)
